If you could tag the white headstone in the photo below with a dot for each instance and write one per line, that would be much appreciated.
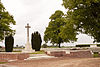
(28, 47)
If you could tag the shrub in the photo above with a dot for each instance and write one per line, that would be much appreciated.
(36, 41)
(96, 54)
(9, 42)
(98, 45)
(82, 45)
(44, 45)
(33, 40)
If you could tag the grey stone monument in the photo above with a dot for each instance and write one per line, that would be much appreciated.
(28, 47)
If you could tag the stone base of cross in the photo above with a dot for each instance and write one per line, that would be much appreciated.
(28, 48)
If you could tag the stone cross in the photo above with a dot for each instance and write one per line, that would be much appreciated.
(28, 47)
(27, 31)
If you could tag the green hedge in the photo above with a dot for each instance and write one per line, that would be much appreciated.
(82, 45)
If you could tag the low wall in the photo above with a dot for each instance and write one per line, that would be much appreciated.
(74, 54)
(13, 56)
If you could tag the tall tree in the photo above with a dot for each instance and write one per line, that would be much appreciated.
(5, 21)
(84, 16)
(54, 28)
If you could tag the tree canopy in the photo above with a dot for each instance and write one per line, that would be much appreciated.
(5, 21)
(84, 16)
(54, 31)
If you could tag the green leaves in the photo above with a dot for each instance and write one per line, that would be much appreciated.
(5, 21)
(84, 15)
(36, 41)
(53, 30)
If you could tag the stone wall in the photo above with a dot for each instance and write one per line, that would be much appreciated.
(74, 54)
(13, 56)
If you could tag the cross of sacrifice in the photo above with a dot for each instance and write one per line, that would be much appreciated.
(28, 31)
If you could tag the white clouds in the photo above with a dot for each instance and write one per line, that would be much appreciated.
(83, 38)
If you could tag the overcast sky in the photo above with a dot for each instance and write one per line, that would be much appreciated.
(36, 13)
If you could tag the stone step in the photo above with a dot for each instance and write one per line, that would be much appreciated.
(39, 56)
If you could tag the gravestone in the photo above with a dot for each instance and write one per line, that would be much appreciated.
(28, 47)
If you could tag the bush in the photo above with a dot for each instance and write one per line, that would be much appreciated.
(33, 40)
(98, 45)
(82, 45)
(44, 45)
(0, 46)
(36, 41)
(96, 54)
(9, 42)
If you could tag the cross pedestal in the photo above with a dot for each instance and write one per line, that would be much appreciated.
(28, 47)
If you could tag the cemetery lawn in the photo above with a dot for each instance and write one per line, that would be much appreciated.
(38, 52)
(18, 48)
(96, 54)
(3, 62)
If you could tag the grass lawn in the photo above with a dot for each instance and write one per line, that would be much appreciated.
(38, 52)
(96, 54)
(3, 62)
(17, 51)
(18, 48)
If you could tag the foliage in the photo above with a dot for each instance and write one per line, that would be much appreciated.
(0, 46)
(33, 40)
(84, 16)
(59, 29)
(36, 41)
(9, 42)
(82, 45)
(53, 30)
(96, 54)
(44, 46)
(98, 45)
(5, 21)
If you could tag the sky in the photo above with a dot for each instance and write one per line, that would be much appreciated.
(36, 13)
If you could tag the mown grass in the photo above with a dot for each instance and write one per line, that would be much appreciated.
(18, 48)
(17, 51)
(3, 62)
(96, 54)
(38, 52)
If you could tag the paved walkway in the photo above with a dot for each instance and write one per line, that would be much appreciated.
(58, 62)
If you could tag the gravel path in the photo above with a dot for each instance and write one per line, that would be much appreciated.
(58, 62)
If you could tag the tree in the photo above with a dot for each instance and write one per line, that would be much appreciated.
(54, 28)
(9, 42)
(36, 41)
(84, 16)
(5, 21)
